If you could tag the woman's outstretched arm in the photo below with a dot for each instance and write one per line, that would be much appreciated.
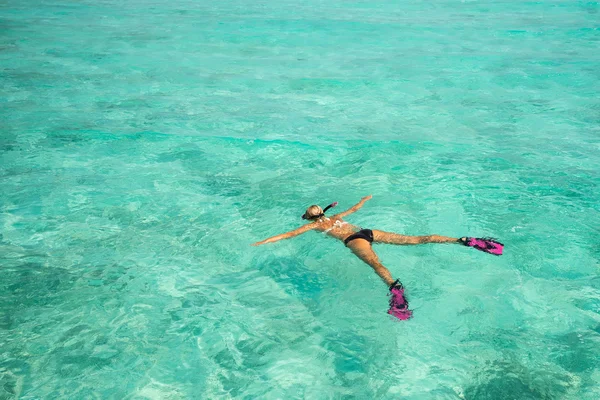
(354, 208)
(287, 235)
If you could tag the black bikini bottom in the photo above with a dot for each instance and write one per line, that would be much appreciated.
(366, 234)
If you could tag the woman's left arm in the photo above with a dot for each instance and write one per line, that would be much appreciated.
(287, 235)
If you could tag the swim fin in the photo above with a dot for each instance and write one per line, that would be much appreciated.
(488, 245)
(398, 303)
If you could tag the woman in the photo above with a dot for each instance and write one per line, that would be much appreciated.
(360, 240)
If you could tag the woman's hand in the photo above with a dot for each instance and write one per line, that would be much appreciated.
(369, 197)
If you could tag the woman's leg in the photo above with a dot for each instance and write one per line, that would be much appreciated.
(362, 249)
(398, 303)
(395, 238)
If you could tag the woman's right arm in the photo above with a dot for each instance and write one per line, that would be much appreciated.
(287, 235)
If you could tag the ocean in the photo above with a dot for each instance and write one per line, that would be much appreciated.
(146, 144)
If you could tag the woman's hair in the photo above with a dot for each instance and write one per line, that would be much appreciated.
(313, 212)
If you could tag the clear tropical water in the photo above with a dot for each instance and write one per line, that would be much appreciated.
(146, 144)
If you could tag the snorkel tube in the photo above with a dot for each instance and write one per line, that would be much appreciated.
(304, 216)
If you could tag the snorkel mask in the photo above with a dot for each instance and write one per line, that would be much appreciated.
(304, 216)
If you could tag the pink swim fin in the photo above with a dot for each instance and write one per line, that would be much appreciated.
(488, 245)
(398, 303)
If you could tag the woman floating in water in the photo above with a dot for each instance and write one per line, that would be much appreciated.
(359, 241)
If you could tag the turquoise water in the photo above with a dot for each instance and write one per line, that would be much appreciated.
(145, 145)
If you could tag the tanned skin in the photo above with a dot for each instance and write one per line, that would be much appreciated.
(336, 227)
